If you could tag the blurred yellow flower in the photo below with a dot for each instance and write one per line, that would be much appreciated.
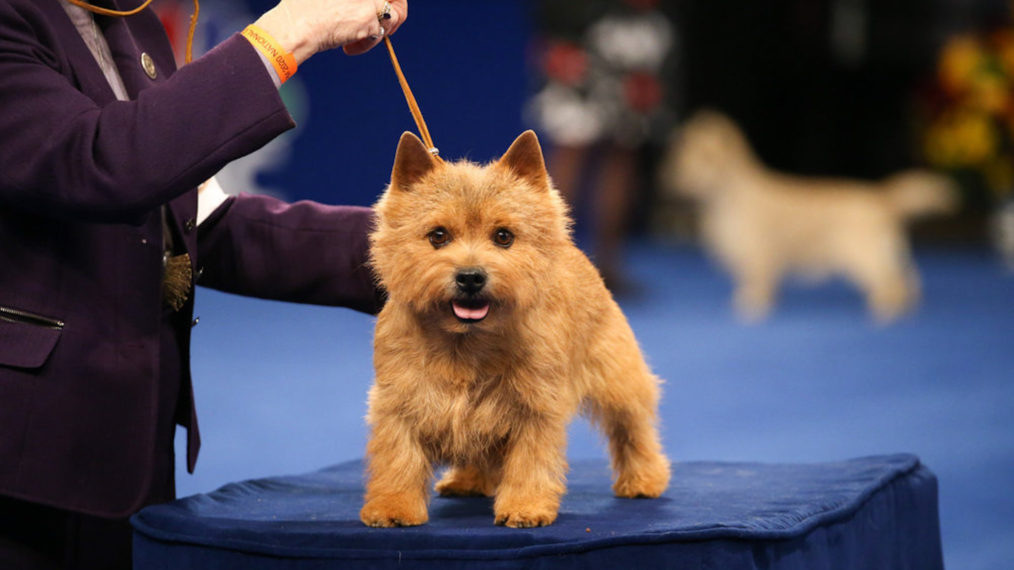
(961, 139)
(970, 117)
(1005, 50)
(961, 57)
(989, 91)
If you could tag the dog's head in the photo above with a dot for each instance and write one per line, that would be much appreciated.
(704, 155)
(466, 246)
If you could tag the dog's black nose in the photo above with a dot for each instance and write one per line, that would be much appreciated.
(470, 281)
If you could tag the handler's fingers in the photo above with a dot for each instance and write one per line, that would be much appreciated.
(390, 16)
(366, 44)
(398, 13)
(360, 47)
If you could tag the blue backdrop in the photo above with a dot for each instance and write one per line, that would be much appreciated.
(465, 62)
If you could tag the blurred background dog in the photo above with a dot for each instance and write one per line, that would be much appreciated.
(762, 224)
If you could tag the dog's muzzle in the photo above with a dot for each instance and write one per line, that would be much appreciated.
(468, 306)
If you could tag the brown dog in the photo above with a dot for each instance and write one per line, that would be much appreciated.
(497, 331)
(762, 224)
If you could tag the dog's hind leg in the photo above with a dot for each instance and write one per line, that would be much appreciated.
(468, 481)
(625, 410)
(640, 468)
(756, 287)
(891, 294)
(885, 272)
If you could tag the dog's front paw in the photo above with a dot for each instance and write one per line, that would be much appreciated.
(395, 510)
(521, 515)
(647, 478)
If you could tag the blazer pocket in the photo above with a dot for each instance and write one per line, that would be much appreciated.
(26, 339)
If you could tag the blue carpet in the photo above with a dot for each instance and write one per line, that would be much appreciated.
(281, 388)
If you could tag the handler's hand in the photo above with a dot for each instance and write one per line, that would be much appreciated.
(305, 27)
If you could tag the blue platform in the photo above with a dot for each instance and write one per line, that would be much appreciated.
(869, 513)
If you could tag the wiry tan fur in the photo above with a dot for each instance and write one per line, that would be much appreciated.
(762, 224)
(491, 400)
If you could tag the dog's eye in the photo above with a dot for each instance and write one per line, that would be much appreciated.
(503, 238)
(439, 237)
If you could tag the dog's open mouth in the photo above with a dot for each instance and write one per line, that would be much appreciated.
(470, 310)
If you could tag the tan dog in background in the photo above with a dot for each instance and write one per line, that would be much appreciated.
(762, 224)
(497, 331)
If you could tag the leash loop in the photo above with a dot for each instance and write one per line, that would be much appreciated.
(107, 11)
(120, 13)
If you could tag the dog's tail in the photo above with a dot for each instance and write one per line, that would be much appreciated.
(916, 193)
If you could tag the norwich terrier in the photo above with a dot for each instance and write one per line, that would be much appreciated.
(762, 224)
(496, 332)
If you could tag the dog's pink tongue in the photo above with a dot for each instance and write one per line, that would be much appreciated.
(470, 314)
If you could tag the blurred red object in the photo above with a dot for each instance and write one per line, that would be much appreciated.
(565, 62)
(642, 91)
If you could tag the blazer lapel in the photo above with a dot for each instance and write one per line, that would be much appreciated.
(127, 56)
(83, 66)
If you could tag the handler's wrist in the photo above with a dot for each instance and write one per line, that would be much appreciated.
(281, 59)
(286, 33)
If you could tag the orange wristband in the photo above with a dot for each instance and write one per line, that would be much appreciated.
(283, 61)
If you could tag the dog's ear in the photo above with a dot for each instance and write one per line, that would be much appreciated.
(411, 162)
(524, 158)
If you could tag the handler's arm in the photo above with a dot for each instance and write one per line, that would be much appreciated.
(64, 155)
(303, 252)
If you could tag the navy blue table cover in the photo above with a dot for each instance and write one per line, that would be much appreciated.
(868, 513)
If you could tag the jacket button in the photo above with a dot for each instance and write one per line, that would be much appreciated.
(148, 65)
(190, 224)
(194, 322)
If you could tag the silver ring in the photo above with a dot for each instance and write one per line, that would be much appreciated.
(385, 14)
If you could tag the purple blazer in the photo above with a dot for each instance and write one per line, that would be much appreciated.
(82, 177)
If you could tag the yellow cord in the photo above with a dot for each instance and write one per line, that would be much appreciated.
(190, 33)
(413, 107)
(119, 13)
(106, 11)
